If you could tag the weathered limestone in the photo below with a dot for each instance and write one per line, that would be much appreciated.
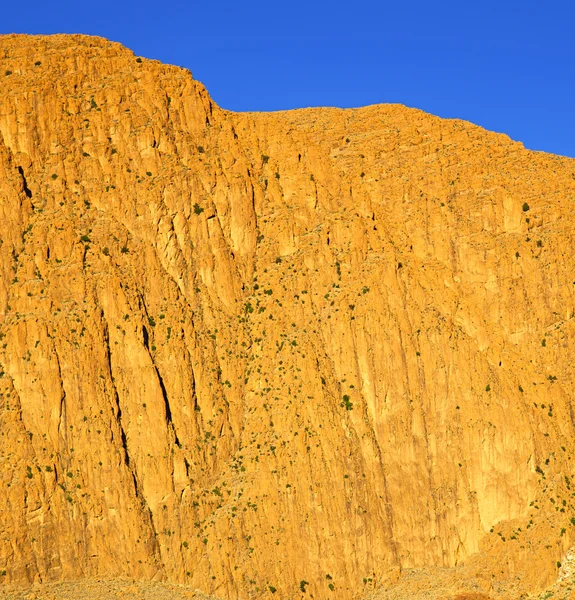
(246, 351)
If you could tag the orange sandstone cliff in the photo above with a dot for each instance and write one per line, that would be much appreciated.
(275, 355)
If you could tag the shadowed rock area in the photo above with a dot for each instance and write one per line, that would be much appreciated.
(316, 353)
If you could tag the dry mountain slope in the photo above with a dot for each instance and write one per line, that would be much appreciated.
(274, 354)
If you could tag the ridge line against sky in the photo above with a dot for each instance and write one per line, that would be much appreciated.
(507, 66)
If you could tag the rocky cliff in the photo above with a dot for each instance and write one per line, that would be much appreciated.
(274, 355)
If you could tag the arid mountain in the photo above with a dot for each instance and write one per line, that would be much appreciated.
(307, 353)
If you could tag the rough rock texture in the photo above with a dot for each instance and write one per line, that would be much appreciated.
(119, 589)
(274, 354)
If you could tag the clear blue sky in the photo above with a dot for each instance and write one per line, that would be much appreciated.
(507, 65)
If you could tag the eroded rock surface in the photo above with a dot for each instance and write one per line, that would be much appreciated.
(274, 354)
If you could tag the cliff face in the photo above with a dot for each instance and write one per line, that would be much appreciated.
(289, 353)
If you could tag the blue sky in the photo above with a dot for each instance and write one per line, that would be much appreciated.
(508, 66)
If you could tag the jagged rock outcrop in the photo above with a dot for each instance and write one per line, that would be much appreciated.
(274, 354)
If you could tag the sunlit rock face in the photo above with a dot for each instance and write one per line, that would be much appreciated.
(291, 353)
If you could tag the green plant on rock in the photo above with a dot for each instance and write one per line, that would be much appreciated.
(346, 402)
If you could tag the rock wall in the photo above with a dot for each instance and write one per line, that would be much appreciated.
(290, 353)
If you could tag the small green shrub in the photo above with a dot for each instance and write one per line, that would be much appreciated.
(346, 402)
(525, 207)
(198, 210)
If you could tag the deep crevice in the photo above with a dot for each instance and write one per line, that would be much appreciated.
(25, 187)
(123, 438)
(167, 405)
(139, 494)
(169, 421)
